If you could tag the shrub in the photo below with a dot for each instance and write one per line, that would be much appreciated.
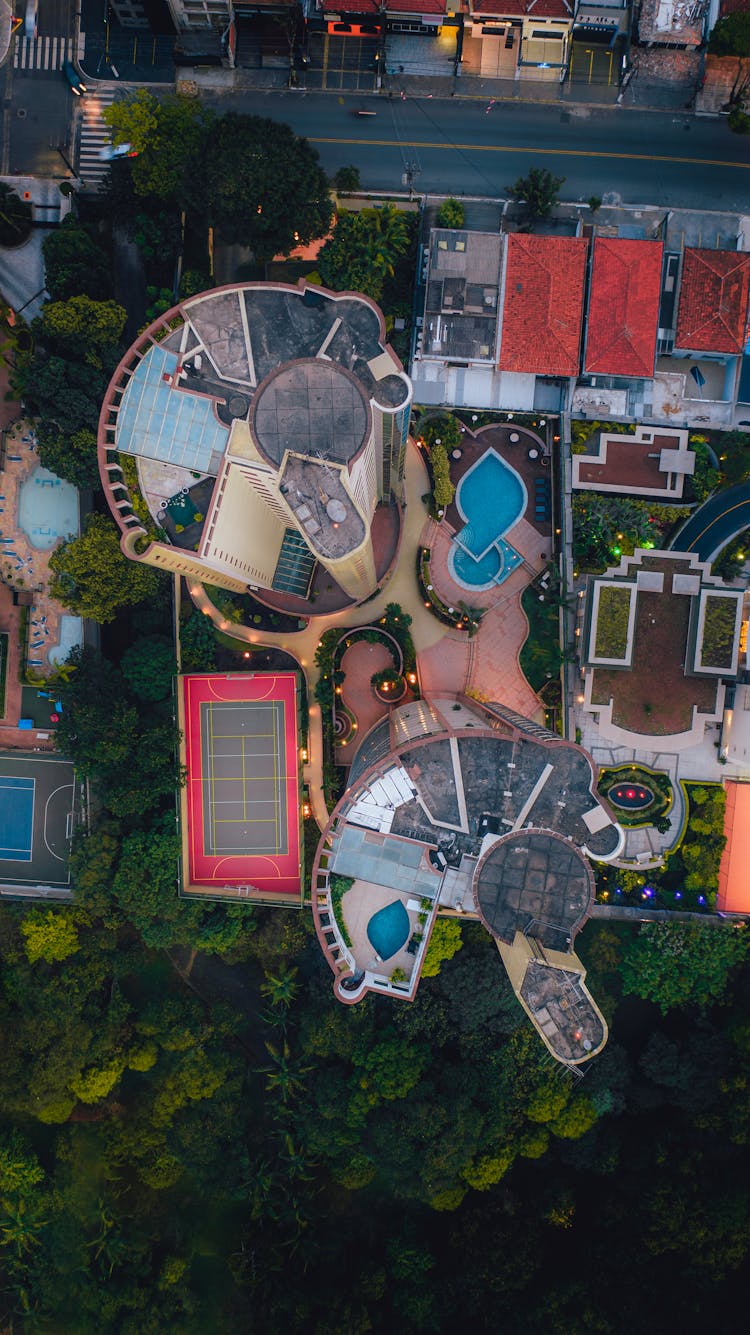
(451, 214)
(717, 649)
(612, 622)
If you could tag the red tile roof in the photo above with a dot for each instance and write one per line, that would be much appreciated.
(352, 7)
(419, 7)
(734, 886)
(712, 314)
(535, 9)
(623, 311)
(543, 309)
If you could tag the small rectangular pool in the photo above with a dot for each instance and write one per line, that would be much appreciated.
(47, 509)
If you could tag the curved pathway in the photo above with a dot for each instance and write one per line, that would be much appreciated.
(446, 659)
(724, 516)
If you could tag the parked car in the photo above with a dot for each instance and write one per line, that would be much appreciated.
(77, 85)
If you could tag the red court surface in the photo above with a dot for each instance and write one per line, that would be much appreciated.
(241, 802)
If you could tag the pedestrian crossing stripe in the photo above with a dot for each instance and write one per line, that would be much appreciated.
(43, 53)
(95, 135)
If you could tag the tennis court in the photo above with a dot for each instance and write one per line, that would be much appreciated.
(241, 804)
(37, 817)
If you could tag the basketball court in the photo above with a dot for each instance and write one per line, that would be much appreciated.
(241, 802)
(37, 818)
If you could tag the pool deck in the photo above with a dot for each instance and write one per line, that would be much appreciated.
(358, 906)
(28, 572)
(491, 658)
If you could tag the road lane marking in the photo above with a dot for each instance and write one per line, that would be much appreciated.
(717, 520)
(540, 152)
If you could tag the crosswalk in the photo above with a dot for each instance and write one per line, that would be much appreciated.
(95, 135)
(43, 53)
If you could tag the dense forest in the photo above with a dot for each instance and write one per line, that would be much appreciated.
(196, 1137)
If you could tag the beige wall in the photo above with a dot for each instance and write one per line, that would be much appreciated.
(243, 535)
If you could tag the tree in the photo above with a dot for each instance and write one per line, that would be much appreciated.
(198, 643)
(444, 942)
(363, 250)
(538, 192)
(346, 180)
(49, 935)
(148, 667)
(170, 136)
(93, 578)
(262, 186)
(74, 264)
(451, 214)
(82, 329)
(731, 36)
(443, 489)
(71, 457)
(15, 217)
(683, 964)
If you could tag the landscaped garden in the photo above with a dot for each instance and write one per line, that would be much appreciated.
(719, 627)
(690, 875)
(391, 630)
(640, 796)
(608, 527)
(613, 620)
(654, 697)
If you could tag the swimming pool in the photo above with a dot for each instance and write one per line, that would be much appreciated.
(388, 929)
(71, 635)
(47, 509)
(496, 565)
(491, 497)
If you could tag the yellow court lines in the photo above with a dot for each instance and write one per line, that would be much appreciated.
(528, 149)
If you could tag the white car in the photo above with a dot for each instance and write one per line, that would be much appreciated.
(117, 151)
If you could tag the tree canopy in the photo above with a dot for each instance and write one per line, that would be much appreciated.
(363, 250)
(93, 578)
(731, 35)
(253, 179)
(538, 192)
(75, 264)
(683, 964)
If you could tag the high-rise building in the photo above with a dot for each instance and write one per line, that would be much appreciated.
(251, 434)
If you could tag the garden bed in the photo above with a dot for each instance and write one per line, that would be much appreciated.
(613, 621)
(719, 626)
(616, 784)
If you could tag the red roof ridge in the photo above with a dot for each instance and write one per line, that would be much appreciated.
(623, 306)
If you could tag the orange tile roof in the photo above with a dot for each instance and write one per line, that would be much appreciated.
(712, 315)
(734, 871)
(535, 9)
(623, 307)
(543, 309)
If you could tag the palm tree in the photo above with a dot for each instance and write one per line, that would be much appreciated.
(281, 988)
(15, 217)
(286, 1073)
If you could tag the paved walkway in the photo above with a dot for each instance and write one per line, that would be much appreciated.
(447, 661)
(359, 663)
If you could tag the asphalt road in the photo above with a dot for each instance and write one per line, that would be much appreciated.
(457, 146)
(714, 525)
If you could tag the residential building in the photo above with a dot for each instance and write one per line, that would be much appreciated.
(458, 807)
(623, 307)
(257, 432)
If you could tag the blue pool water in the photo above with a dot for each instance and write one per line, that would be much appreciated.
(389, 929)
(47, 509)
(491, 497)
(492, 568)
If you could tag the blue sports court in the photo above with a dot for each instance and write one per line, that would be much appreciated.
(38, 814)
(16, 818)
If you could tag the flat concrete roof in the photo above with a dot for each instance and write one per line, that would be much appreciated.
(537, 883)
(312, 407)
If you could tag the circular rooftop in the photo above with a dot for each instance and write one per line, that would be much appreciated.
(534, 882)
(312, 407)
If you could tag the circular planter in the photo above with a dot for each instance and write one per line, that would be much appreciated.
(390, 693)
